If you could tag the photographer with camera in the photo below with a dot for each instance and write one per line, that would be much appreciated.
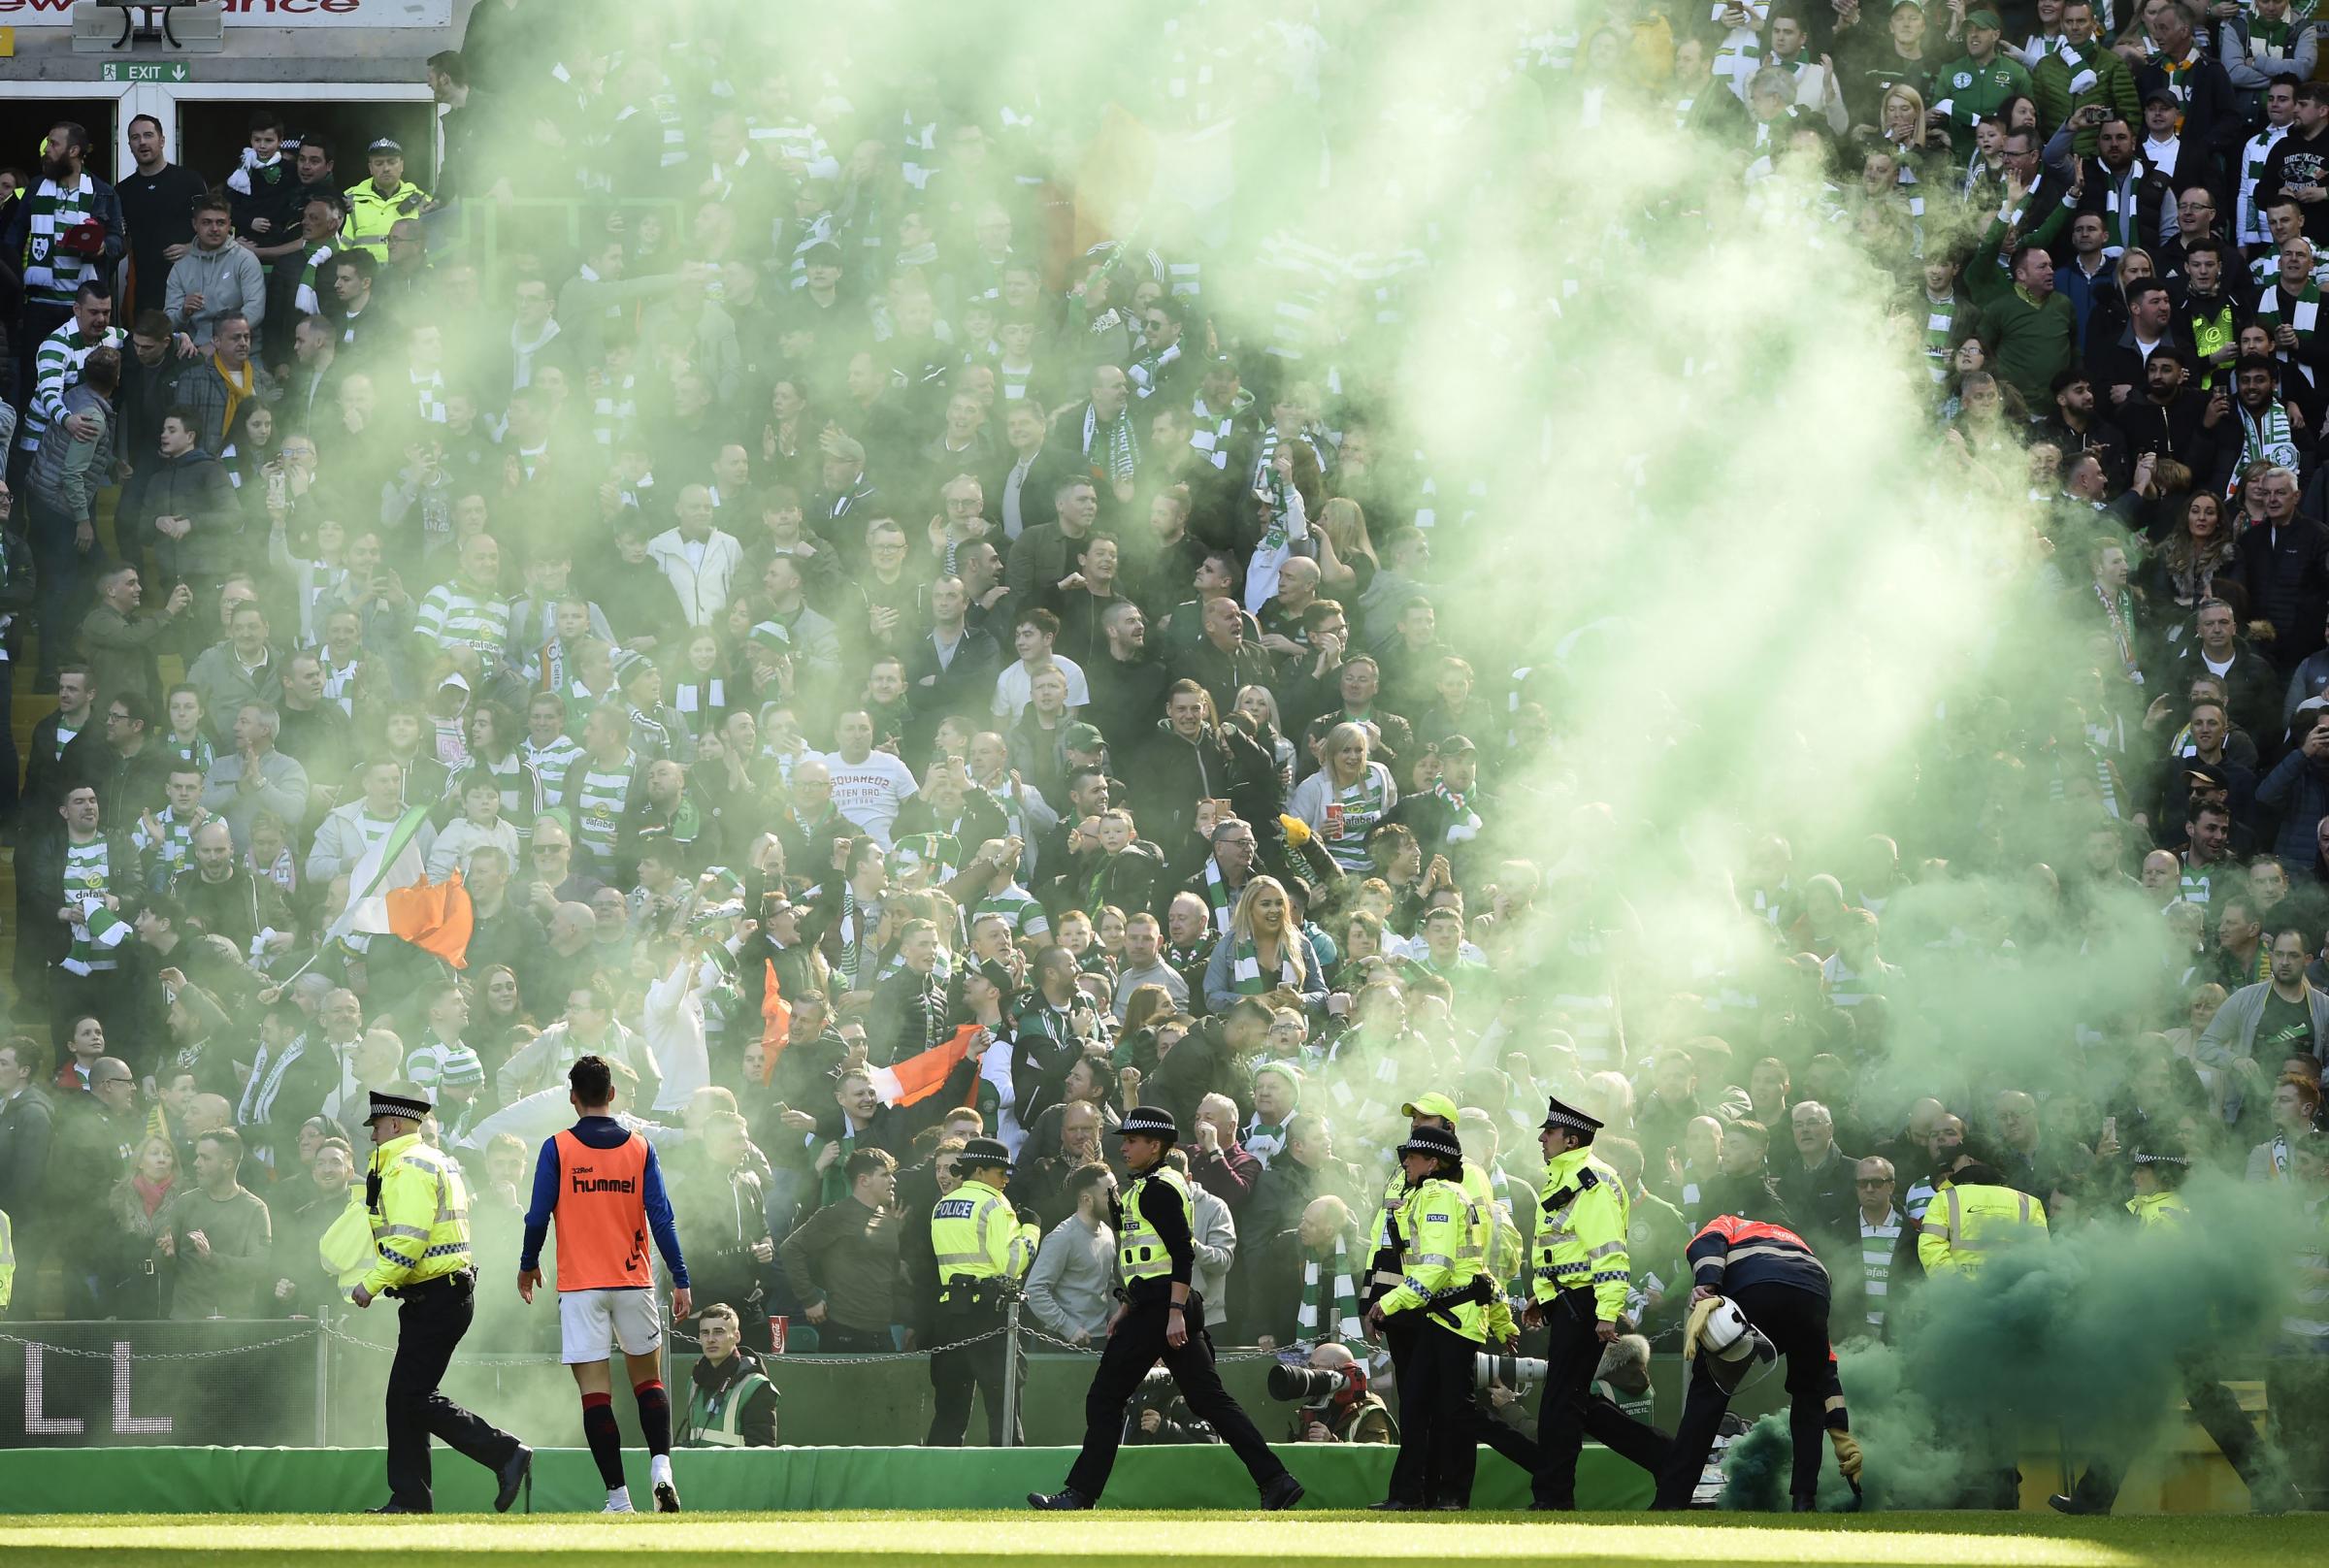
(1160, 1414)
(1336, 1405)
(1579, 1288)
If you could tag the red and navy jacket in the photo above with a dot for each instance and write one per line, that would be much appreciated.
(1731, 1254)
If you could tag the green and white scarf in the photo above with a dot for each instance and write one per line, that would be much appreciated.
(853, 941)
(1245, 969)
(2119, 611)
(1121, 444)
(1940, 321)
(2248, 226)
(174, 849)
(942, 853)
(52, 276)
(1351, 816)
(1217, 895)
(2120, 216)
(308, 301)
(1310, 1318)
(2267, 440)
(2304, 315)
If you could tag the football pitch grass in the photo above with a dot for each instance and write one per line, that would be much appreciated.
(1216, 1540)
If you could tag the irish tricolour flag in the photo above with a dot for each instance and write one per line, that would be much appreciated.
(389, 893)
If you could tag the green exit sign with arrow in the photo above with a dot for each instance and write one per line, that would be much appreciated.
(130, 71)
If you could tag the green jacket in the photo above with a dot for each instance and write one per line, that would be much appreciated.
(1968, 92)
(2029, 344)
(2114, 86)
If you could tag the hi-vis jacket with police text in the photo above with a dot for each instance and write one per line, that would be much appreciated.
(419, 1212)
(1493, 1227)
(1962, 1224)
(974, 1234)
(2159, 1209)
(1581, 1241)
(371, 216)
(1439, 1223)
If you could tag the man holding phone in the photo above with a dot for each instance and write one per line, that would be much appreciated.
(2081, 83)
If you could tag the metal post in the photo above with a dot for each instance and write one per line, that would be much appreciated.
(323, 1377)
(1010, 1372)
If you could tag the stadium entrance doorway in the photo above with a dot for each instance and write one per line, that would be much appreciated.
(210, 122)
(29, 109)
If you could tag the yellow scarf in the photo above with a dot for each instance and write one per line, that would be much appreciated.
(236, 391)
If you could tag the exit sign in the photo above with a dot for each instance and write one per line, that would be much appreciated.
(131, 71)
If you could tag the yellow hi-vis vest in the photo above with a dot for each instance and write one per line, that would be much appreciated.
(8, 1260)
(418, 1207)
(1581, 1241)
(1437, 1223)
(1962, 1224)
(371, 216)
(974, 1235)
(1141, 1253)
(2159, 1208)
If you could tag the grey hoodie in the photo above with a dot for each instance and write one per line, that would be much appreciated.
(231, 282)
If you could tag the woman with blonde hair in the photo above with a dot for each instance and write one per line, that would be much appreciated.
(1264, 951)
(1261, 705)
(137, 1203)
(1347, 794)
(1921, 153)
(1346, 553)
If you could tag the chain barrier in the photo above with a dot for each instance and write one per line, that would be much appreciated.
(329, 1330)
(49, 1347)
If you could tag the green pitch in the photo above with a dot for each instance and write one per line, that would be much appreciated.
(1219, 1540)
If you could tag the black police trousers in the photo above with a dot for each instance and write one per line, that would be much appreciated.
(2217, 1411)
(957, 1370)
(1137, 1345)
(1438, 1424)
(1479, 1427)
(429, 1324)
(1795, 1321)
(1571, 1412)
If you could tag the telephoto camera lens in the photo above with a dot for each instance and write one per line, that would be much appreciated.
(1304, 1383)
(1518, 1373)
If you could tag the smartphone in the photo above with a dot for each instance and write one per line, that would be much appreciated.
(2111, 1127)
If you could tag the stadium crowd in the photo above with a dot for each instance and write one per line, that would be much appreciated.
(890, 676)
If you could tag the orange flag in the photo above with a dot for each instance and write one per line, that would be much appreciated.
(435, 917)
(918, 1077)
(775, 1024)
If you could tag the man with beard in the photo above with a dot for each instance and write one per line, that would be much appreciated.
(2175, 419)
(2118, 366)
(2123, 187)
(64, 232)
(2077, 427)
(1128, 687)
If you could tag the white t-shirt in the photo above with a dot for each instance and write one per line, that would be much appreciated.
(1014, 690)
(870, 793)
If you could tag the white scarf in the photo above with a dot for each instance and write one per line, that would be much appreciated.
(524, 352)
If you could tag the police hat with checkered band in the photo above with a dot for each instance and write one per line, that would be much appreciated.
(1150, 1121)
(1561, 1118)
